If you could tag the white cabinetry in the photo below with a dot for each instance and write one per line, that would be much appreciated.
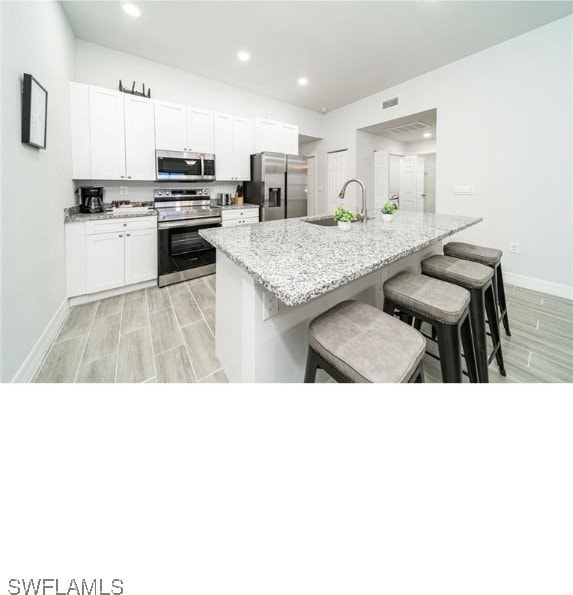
(233, 141)
(110, 253)
(200, 131)
(170, 126)
(105, 255)
(275, 137)
(288, 139)
(235, 217)
(139, 138)
(113, 135)
(183, 128)
(107, 134)
(140, 255)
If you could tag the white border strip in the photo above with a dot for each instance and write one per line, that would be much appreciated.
(34, 359)
(557, 289)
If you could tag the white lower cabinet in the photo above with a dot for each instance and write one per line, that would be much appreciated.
(235, 217)
(140, 255)
(110, 253)
(105, 255)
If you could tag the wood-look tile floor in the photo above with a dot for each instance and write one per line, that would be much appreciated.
(150, 335)
(167, 335)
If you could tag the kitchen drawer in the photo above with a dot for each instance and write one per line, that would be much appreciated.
(113, 225)
(237, 222)
(240, 214)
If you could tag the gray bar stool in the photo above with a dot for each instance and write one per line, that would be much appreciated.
(477, 279)
(446, 308)
(355, 342)
(490, 257)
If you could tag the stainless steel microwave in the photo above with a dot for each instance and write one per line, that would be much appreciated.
(181, 166)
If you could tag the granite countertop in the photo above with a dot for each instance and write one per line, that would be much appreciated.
(73, 215)
(245, 205)
(298, 261)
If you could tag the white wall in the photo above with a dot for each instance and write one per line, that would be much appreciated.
(98, 65)
(504, 127)
(36, 184)
(421, 147)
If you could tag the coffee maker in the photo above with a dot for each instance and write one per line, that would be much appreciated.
(91, 199)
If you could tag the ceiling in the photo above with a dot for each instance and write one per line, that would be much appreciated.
(428, 118)
(347, 50)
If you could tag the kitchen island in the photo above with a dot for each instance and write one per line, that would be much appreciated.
(309, 268)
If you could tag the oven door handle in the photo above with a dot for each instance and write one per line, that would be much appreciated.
(189, 223)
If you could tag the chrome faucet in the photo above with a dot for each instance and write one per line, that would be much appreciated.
(341, 194)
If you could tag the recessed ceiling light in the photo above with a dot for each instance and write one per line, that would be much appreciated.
(131, 9)
(302, 81)
(243, 55)
(427, 134)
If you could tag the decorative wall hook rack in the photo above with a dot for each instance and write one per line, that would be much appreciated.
(132, 91)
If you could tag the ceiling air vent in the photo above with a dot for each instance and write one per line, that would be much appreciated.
(407, 128)
(390, 102)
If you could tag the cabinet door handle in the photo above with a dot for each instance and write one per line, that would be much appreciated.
(129, 177)
(124, 224)
(128, 234)
(122, 177)
(121, 235)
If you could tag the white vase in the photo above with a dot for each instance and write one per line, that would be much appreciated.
(344, 225)
(387, 218)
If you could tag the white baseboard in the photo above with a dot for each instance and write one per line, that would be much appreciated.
(557, 289)
(102, 295)
(28, 369)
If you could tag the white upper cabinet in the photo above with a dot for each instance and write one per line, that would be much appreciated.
(200, 131)
(107, 134)
(139, 138)
(224, 160)
(288, 135)
(80, 124)
(233, 141)
(275, 137)
(242, 147)
(170, 126)
(267, 136)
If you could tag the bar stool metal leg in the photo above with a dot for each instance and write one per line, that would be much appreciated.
(469, 349)
(501, 299)
(449, 349)
(477, 314)
(494, 328)
(311, 367)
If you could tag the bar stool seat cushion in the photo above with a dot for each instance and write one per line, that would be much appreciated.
(487, 256)
(366, 345)
(468, 274)
(435, 299)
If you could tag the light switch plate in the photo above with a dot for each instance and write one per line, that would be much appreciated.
(123, 190)
(463, 189)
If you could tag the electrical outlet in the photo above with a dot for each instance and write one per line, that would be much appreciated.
(514, 247)
(270, 305)
(123, 190)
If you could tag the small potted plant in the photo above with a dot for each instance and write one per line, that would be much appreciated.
(344, 217)
(388, 209)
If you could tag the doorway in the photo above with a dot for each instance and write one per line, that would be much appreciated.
(336, 175)
(397, 159)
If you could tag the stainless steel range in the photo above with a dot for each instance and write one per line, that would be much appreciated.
(183, 253)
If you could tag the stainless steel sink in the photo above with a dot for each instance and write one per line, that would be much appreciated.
(330, 221)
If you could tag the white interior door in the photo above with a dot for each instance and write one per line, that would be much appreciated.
(408, 183)
(336, 176)
(311, 185)
(420, 184)
(381, 177)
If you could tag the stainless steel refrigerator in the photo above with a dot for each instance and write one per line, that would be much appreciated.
(279, 184)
